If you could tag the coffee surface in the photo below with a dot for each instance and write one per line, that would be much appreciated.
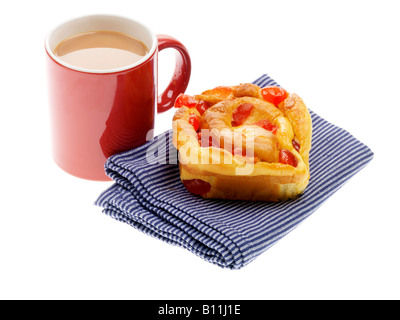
(101, 50)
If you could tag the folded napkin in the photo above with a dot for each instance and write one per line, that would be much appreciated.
(149, 196)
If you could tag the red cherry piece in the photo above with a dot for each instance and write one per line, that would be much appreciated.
(202, 106)
(243, 152)
(286, 157)
(296, 145)
(267, 125)
(239, 152)
(207, 141)
(274, 95)
(241, 113)
(213, 143)
(194, 121)
(185, 100)
(197, 186)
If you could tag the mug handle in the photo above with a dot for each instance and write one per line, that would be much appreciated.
(181, 76)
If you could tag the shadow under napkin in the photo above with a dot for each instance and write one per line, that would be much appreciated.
(149, 196)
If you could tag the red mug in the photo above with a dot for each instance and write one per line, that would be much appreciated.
(97, 113)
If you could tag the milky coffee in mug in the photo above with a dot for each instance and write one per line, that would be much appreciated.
(101, 50)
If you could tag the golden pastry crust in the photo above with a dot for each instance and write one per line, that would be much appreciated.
(243, 142)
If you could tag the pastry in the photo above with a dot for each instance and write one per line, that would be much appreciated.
(243, 143)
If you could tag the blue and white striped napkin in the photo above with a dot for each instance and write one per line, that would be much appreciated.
(149, 196)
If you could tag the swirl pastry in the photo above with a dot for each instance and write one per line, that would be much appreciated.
(243, 142)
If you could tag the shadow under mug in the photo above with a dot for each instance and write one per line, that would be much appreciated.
(98, 113)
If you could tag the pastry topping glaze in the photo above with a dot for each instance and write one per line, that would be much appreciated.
(194, 121)
(286, 157)
(202, 106)
(221, 92)
(241, 113)
(207, 140)
(267, 125)
(197, 186)
(296, 145)
(185, 100)
(275, 95)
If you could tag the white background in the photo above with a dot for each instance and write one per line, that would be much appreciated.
(342, 57)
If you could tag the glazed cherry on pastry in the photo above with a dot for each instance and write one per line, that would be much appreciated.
(194, 121)
(286, 157)
(274, 95)
(202, 106)
(296, 145)
(241, 113)
(239, 152)
(267, 125)
(210, 142)
(185, 100)
(197, 186)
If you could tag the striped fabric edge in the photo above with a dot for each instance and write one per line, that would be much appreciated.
(199, 233)
(233, 240)
(116, 208)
